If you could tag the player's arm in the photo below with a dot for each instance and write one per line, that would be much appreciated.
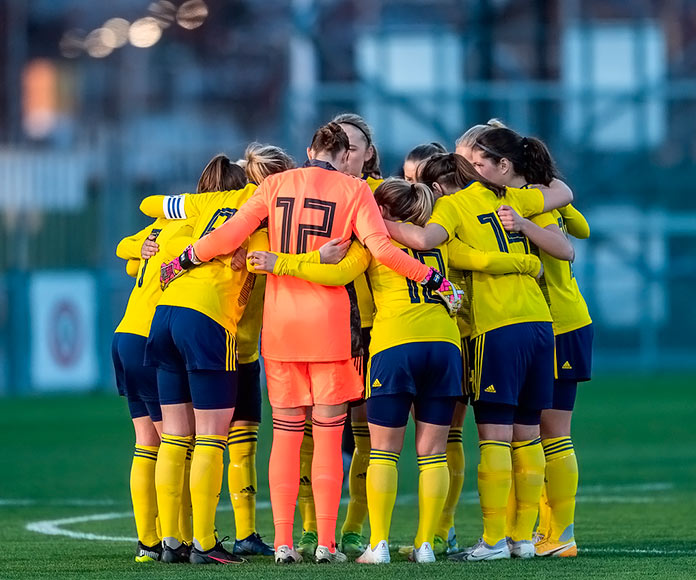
(546, 236)
(556, 194)
(175, 207)
(129, 247)
(132, 267)
(309, 266)
(417, 237)
(575, 222)
(463, 257)
(369, 226)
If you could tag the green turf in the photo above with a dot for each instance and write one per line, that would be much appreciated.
(635, 517)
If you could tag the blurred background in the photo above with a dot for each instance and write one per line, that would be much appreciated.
(102, 103)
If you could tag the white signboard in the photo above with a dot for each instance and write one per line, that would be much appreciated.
(63, 333)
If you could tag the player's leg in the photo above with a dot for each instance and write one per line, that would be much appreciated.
(289, 394)
(127, 352)
(433, 420)
(527, 453)
(574, 364)
(307, 544)
(387, 417)
(334, 385)
(242, 442)
(351, 531)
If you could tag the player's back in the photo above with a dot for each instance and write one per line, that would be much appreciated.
(496, 300)
(407, 312)
(172, 238)
(214, 288)
(307, 207)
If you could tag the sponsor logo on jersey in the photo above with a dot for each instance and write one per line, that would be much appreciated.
(490, 389)
(376, 384)
(566, 366)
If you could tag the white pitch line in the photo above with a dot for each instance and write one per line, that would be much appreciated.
(655, 551)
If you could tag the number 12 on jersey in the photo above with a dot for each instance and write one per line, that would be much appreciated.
(431, 258)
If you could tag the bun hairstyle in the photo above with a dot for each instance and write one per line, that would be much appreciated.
(422, 152)
(330, 139)
(468, 139)
(409, 202)
(221, 175)
(529, 156)
(371, 166)
(452, 170)
(264, 160)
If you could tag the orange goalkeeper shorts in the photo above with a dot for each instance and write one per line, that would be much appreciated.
(304, 384)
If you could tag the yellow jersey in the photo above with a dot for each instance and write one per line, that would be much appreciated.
(558, 283)
(172, 238)
(463, 260)
(496, 299)
(249, 327)
(213, 288)
(366, 303)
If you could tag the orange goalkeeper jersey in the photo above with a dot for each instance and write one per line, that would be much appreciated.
(307, 207)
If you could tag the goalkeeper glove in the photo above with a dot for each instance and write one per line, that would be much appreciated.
(450, 294)
(173, 269)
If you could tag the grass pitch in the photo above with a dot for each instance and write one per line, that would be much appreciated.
(65, 464)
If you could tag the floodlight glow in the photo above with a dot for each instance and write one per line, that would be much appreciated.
(192, 14)
(144, 32)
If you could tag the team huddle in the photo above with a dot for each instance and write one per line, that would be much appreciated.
(375, 298)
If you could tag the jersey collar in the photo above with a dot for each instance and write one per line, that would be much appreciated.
(317, 163)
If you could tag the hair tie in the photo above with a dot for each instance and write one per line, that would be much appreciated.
(525, 143)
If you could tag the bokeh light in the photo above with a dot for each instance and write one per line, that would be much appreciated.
(99, 42)
(144, 32)
(192, 14)
(164, 12)
(72, 43)
(119, 27)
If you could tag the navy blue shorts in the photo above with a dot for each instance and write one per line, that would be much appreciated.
(134, 380)
(183, 339)
(466, 370)
(422, 369)
(513, 365)
(574, 354)
(194, 357)
(248, 406)
(393, 410)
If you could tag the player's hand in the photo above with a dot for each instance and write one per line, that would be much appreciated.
(262, 261)
(511, 220)
(150, 247)
(451, 295)
(238, 261)
(333, 251)
(171, 270)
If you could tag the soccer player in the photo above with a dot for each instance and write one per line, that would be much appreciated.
(137, 382)
(465, 143)
(192, 344)
(402, 325)
(507, 158)
(415, 158)
(312, 369)
(512, 338)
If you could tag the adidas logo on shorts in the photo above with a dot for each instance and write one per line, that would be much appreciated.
(490, 389)
(566, 366)
(376, 383)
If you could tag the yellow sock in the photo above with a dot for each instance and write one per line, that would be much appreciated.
(357, 478)
(455, 465)
(561, 486)
(528, 467)
(241, 477)
(305, 499)
(511, 516)
(143, 494)
(544, 511)
(169, 482)
(433, 484)
(185, 510)
(206, 481)
(381, 484)
(494, 477)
